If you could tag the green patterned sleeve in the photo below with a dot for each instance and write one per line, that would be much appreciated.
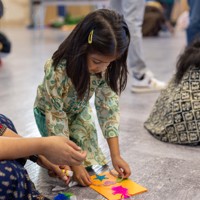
(55, 86)
(107, 107)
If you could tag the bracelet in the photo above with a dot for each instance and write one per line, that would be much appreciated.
(2, 129)
(33, 158)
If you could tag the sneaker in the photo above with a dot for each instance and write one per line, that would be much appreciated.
(147, 84)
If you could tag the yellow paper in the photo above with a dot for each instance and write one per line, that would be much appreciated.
(108, 192)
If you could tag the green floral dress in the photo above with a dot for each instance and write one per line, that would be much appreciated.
(175, 117)
(58, 111)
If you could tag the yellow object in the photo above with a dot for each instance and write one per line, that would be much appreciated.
(107, 192)
(90, 37)
(67, 172)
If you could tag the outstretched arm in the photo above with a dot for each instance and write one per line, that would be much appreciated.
(57, 149)
(119, 164)
(107, 106)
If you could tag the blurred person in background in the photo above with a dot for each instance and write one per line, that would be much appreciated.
(142, 78)
(5, 44)
(193, 30)
(155, 19)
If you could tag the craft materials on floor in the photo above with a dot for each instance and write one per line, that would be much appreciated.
(65, 196)
(67, 172)
(113, 188)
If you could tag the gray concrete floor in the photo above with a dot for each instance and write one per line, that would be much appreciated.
(168, 171)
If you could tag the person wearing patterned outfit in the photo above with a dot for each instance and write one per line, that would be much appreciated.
(14, 180)
(175, 117)
(91, 61)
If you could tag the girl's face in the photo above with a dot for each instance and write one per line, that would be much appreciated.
(98, 63)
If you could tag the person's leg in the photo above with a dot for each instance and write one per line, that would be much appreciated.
(133, 11)
(168, 10)
(193, 30)
(33, 9)
(83, 132)
(116, 5)
(15, 182)
(61, 11)
(61, 15)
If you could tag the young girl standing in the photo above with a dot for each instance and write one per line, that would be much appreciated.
(92, 60)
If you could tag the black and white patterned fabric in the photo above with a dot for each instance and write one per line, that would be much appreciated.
(175, 117)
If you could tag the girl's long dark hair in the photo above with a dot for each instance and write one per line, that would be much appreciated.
(111, 37)
(190, 57)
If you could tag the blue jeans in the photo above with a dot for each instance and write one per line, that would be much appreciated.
(193, 30)
(133, 11)
(61, 11)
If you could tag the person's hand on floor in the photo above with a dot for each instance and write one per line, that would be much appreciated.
(81, 175)
(121, 167)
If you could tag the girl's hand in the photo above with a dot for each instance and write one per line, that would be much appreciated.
(81, 175)
(53, 170)
(121, 167)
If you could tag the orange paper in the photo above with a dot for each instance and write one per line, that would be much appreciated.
(110, 192)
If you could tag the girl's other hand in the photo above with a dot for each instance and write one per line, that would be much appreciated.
(81, 175)
(54, 170)
(121, 167)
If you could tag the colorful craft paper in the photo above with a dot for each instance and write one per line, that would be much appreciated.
(118, 190)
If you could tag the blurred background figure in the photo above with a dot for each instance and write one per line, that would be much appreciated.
(34, 6)
(5, 44)
(142, 78)
(61, 15)
(157, 17)
(182, 21)
(168, 6)
(193, 30)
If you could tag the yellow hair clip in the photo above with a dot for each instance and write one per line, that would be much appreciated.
(90, 37)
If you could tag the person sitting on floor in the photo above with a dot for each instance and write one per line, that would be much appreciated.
(175, 117)
(14, 180)
(155, 20)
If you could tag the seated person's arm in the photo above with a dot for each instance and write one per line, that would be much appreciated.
(57, 149)
(14, 146)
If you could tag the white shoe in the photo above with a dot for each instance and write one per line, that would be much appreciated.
(147, 84)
